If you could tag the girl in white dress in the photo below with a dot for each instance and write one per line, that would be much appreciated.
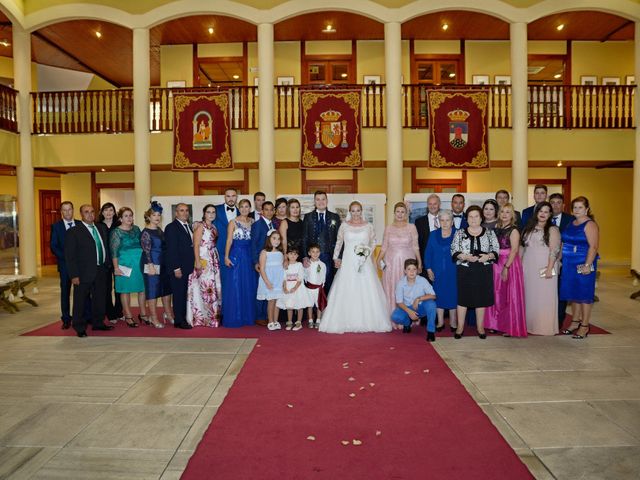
(296, 296)
(356, 301)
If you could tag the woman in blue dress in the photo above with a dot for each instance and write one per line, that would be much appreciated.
(157, 283)
(579, 261)
(441, 269)
(239, 287)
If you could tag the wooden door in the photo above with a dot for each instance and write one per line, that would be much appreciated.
(49, 214)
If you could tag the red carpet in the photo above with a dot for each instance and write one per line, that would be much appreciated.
(300, 395)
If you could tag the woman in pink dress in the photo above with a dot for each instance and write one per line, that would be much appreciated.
(400, 242)
(507, 314)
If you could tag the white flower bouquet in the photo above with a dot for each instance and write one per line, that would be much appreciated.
(362, 252)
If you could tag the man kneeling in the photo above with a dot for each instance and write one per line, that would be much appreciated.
(415, 299)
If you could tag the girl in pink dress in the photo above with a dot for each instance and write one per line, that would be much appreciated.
(400, 242)
(507, 314)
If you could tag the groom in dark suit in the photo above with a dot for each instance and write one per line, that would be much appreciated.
(180, 261)
(86, 258)
(321, 226)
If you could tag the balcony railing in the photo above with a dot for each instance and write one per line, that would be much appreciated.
(90, 111)
(8, 112)
(111, 111)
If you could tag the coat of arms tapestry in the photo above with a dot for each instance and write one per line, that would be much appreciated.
(330, 122)
(201, 131)
(458, 123)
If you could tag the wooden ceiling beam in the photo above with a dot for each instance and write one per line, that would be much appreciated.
(616, 30)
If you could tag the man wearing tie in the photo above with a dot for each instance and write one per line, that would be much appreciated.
(224, 214)
(457, 207)
(560, 219)
(259, 231)
(58, 233)
(539, 196)
(180, 262)
(258, 200)
(86, 258)
(426, 224)
(503, 197)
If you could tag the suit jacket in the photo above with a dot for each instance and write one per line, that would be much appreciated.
(58, 233)
(422, 225)
(518, 219)
(527, 213)
(463, 223)
(565, 220)
(222, 224)
(259, 231)
(80, 252)
(326, 238)
(179, 248)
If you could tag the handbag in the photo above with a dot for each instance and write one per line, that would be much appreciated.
(147, 269)
(543, 272)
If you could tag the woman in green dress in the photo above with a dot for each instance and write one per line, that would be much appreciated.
(126, 253)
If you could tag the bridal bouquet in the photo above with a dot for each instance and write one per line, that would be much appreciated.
(362, 252)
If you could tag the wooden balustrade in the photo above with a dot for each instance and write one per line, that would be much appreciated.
(82, 111)
(111, 111)
(8, 113)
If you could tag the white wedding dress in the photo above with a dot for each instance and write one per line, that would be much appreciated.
(356, 302)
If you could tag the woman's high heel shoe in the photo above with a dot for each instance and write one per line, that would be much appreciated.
(144, 318)
(580, 337)
(457, 335)
(154, 321)
(570, 331)
(166, 318)
(130, 322)
(453, 329)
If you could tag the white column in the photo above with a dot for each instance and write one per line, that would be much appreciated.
(266, 131)
(24, 171)
(141, 85)
(393, 96)
(635, 220)
(519, 163)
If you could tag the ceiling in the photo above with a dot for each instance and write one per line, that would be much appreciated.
(74, 44)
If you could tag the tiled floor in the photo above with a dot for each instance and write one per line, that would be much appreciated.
(133, 408)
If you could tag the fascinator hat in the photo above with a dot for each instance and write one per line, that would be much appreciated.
(156, 207)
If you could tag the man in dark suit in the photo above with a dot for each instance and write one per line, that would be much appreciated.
(259, 231)
(426, 224)
(258, 201)
(224, 214)
(180, 261)
(503, 197)
(321, 226)
(560, 219)
(539, 196)
(457, 208)
(86, 258)
(58, 233)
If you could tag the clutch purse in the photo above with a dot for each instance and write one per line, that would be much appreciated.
(543, 272)
(147, 269)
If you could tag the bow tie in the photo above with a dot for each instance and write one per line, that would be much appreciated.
(230, 209)
(457, 216)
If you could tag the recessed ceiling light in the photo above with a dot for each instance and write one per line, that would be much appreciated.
(5, 43)
(236, 77)
(343, 75)
(329, 29)
(445, 26)
(98, 34)
(208, 84)
(560, 27)
(557, 75)
(103, 169)
(452, 75)
(560, 163)
(210, 30)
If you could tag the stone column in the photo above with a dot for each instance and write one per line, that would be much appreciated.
(393, 97)
(24, 171)
(519, 162)
(266, 131)
(141, 136)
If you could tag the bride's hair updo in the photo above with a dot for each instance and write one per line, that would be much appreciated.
(355, 202)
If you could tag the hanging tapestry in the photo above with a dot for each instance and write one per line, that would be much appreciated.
(201, 131)
(330, 122)
(458, 122)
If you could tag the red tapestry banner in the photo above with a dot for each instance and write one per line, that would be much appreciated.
(330, 122)
(458, 122)
(201, 131)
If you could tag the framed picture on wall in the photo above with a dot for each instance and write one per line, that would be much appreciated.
(630, 80)
(372, 80)
(502, 79)
(480, 79)
(610, 80)
(285, 82)
(588, 80)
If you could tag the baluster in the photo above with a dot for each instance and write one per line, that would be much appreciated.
(278, 99)
(616, 107)
(34, 106)
(404, 101)
(367, 107)
(507, 106)
(107, 110)
(627, 106)
(494, 104)
(62, 112)
(383, 91)
(288, 115)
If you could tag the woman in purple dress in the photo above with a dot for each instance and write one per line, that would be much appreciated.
(508, 314)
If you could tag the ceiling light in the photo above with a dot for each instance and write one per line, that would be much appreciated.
(236, 77)
(452, 75)
(208, 84)
(329, 29)
(560, 163)
(343, 75)
(5, 43)
(210, 30)
(560, 27)
(445, 26)
(557, 75)
(103, 169)
(98, 34)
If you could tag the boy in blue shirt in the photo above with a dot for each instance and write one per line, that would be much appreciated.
(415, 299)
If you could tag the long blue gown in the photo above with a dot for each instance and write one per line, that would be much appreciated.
(239, 285)
(437, 257)
(574, 286)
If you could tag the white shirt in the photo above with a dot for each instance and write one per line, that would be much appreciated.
(104, 250)
(185, 224)
(557, 219)
(69, 223)
(268, 222)
(256, 215)
(230, 214)
(433, 222)
(457, 221)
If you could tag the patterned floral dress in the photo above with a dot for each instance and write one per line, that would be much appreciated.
(204, 298)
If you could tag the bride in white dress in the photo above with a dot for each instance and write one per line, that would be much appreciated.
(356, 301)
